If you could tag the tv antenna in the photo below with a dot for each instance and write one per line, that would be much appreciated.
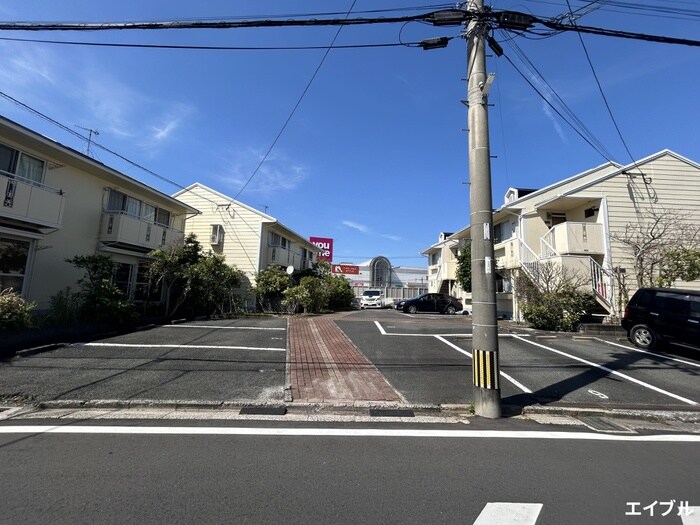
(91, 132)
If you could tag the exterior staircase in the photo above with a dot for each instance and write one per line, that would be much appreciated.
(602, 280)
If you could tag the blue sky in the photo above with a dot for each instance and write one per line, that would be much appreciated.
(375, 156)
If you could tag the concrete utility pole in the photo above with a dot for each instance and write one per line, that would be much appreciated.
(487, 392)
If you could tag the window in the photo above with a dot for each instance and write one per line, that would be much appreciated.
(148, 212)
(497, 233)
(122, 277)
(116, 201)
(274, 239)
(14, 162)
(673, 303)
(13, 263)
(162, 217)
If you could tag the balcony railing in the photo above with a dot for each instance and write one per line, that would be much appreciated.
(573, 238)
(30, 202)
(120, 228)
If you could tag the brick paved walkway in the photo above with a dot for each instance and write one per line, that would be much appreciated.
(325, 367)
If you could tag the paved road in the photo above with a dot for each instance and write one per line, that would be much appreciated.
(125, 472)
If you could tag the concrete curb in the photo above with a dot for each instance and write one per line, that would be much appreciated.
(682, 416)
(39, 349)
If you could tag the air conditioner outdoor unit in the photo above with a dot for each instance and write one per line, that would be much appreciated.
(217, 234)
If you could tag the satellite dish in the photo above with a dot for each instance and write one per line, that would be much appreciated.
(290, 269)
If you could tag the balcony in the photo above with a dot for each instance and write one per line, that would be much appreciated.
(31, 203)
(118, 228)
(569, 238)
(507, 254)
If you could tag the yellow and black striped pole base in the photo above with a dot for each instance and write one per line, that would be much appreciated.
(485, 367)
(487, 393)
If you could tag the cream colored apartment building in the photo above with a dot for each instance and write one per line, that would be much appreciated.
(58, 203)
(578, 223)
(249, 239)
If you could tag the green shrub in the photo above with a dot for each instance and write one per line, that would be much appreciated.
(15, 312)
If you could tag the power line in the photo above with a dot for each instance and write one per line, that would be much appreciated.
(602, 93)
(207, 24)
(296, 106)
(210, 48)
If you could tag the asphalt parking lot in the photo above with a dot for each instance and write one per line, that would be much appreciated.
(232, 360)
(425, 357)
(428, 359)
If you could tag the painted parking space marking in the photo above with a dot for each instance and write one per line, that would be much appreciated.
(662, 356)
(217, 327)
(465, 335)
(175, 345)
(503, 374)
(500, 513)
(610, 371)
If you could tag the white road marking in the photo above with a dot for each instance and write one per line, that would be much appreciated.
(597, 394)
(344, 432)
(509, 514)
(175, 345)
(467, 336)
(692, 517)
(216, 327)
(611, 371)
(509, 378)
(650, 353)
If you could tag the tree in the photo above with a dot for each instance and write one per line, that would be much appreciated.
(552, 299)
(464, 267)
(663, 247)
(199, 283)
(311, 293)
(212, 283)
(99, 298)
(340, 294)
(680, 264)
(270, 285)
(169, 270)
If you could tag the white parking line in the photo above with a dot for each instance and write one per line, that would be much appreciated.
(175, 345)
(611, 371)
(346, 432)
(216, 327)
(509, 514)
(509, 378)
(650, 353)
(466, 335)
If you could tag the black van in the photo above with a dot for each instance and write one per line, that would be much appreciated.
(656, 315)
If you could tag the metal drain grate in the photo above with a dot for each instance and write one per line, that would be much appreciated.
(603, 425)
(391, 412)
(263, 411)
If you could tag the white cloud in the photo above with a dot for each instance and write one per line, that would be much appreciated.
(391, 237)
(277, 173)
(82, 91)
(356, 226)
(553, 119)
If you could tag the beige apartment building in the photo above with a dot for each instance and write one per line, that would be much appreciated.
(249, 239)
(58, 203)
(579, 223)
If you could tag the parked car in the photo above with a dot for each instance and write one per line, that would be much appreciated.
(374, 299)
(657, 315)
(431, 302)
